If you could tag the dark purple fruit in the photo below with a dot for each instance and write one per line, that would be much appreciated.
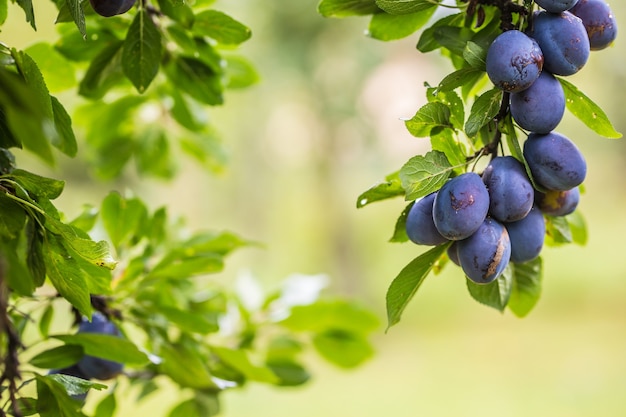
(461, 206)
(108, 8)
(556, 6)
(527, 236)
(485, 254)
(514, 61)
(598, 20)
(563, 40)
(554, 161)
(558, 203)
(420, 226)
(94, 367)
(540, 107)
(511, 194)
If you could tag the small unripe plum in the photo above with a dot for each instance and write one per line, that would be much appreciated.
(420, 226)
(563, 40)
(555, 162)
(485, 254)
(527, 236)
(598, 20)
(94, 367)
(540, 107)
(511, 194)
(108, 8)
(556, 6)
(461, 206)
(514, 61)
(558, 203)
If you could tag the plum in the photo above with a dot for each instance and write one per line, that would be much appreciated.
(555, 162)
(540, 107)
(563, 40)
(514, 61)
(511, 194)
(556, 6)
(485, 254)
(108, 8)
(599, 22)
(420, 226)
(558, 203)
(527, 236)
(94, 367)
(460, 206)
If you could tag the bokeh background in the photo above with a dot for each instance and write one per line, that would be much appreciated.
(321, 127)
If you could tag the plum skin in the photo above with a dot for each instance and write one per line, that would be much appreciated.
(558, 203)
(555, 162)
(599, 22)
(556, 6)
(563, 40)
(460, 206)
(94, 367)
(485, 254)
(540, 107)
(420, 226)
(108, 8)
(527, 236)
(514, 61)
(511, 194)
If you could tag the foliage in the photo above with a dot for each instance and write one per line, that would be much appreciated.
(466, 119)
(144, 79)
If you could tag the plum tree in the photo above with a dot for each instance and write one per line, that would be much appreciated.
(514, 61)
(108, 8)
(555, 162)
(511, 194)
(599, 22)
(556, 6)
(558, 203)
(460, 207)
(527, 236)
(94, 367)
(540, 107)
(563, 40)
(485, 254)
(420, 226)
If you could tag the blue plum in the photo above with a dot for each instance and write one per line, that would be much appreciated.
(558, 203)
(527, 236)
(599, 22)
(511, 194)
(485, 254)
(556, 6)
(514, 61)
(420, 226)
(108, 8)
(563, 40)
(461, 206)
(555, 162)
(540, 107)
(94, 367)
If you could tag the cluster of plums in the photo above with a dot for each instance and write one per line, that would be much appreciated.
(498, 217)
(91, 367)
(108, 8)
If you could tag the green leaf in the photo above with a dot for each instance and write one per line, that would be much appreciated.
(203, 404)
(189, 321)
(122, 217)
(587, 111)
(399, 232)
(78, 15)
(153, 155)
(526, 287)
(391, 187)
(56, 70)
(221, 27)
(12, 218)
(289, 372)
(475, 55)
(427, 41)
(27, 6)
(388, 27)
(141, 54)
(408, 281)
(238, 359)
(46, 320)
(454, 103)
(58, 357)
(240, 72)
(185, 366)
(106, 346)
(197, 79)
(460, 78)
(578, 227)
(443, 140)
(16, 274)
(406, 6)
(429, 116)
(106, 407)
(326, 315)
(347, 350)
(453, 38)
(65, 141)
(53, 395)
(558, 230)
(104, 72)
(181, 12)
(38, 186)
(344, 8)
(422, 175)
(4, 10)
(496, 294)
(483, 111)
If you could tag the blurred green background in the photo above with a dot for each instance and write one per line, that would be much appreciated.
(321, 127)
